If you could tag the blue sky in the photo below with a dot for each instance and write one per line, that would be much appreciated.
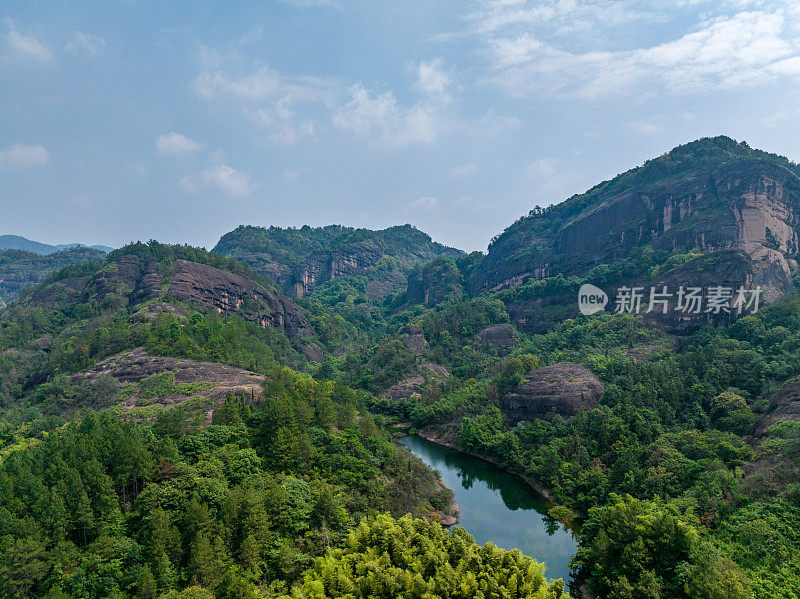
(137, 120)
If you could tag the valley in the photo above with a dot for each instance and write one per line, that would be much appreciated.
(181, 423)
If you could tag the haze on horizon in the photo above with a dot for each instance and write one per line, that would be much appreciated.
(139, 120)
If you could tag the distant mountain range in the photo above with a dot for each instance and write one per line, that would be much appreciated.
(17, 242)
(713, 212)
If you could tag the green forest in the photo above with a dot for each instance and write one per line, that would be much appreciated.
(297, 488)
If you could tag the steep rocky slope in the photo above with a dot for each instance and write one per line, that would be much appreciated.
(228, 293)
(152, 380)
(564, 389)
(130, 279)
(714, 197)
(301, 259)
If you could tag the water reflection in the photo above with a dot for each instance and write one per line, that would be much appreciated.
(499, 507)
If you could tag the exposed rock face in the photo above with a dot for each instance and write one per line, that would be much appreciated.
(129, 276)
(131, 281)
(409, 387)
(66, 290)
(228, 293)
(312, 352)
(739, 208)
(151, 311)
(414, 384)
(352, 260)
(435, 282)
(383, 283)
(784, 404)
(133, 366)
(414, 341)
(562, 388)
(498, 335)
(301, 259)
(20, 269)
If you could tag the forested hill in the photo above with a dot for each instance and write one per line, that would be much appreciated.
(302, 258)
(708, 197)
(173, 425)
(158, 440)
(20, 268)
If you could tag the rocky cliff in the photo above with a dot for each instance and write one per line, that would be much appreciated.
(186, 379)
(228, 293)
(564, 389)
(708, 197)
(131, 279)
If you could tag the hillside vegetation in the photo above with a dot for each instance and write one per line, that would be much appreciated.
(182, 423)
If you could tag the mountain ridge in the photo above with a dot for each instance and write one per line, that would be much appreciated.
(677, 192)
(300, 259)
(18, 242)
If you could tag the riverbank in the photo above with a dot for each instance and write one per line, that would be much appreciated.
(450, 440)
(498, 506)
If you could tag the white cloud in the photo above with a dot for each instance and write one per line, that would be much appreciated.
(288, 107)
(221, 177)
(511, 52)
(643, 128)
(745, 49)
(176, 143)
(554, 180)
(21, 156)
(381, 118)
(461, 170)
(85, 43)
(26, 48)
(543, 168)
(422, 203)
(281, 119)
(432, 80)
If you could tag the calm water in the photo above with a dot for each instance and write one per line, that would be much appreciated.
(499, 507)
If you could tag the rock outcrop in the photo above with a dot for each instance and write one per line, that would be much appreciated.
(498, 335)
(20, 269)
(130, 281)
(155, 309)
(129, 277)
(414, 385)
(414, 341)
(564, 389)
(218, 380)
(782, 404)
(228, 293)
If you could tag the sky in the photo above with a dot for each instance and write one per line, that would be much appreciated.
(135, 120)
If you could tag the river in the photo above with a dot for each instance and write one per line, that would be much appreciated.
(499, 507)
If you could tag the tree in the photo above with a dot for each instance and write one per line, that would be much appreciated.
(145, 584)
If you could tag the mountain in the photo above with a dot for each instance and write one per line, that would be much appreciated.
(713, 200)
(300, 259)
(16, 242)
(220, 397)
(141, 273)
(20, 268)
(174, 301)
